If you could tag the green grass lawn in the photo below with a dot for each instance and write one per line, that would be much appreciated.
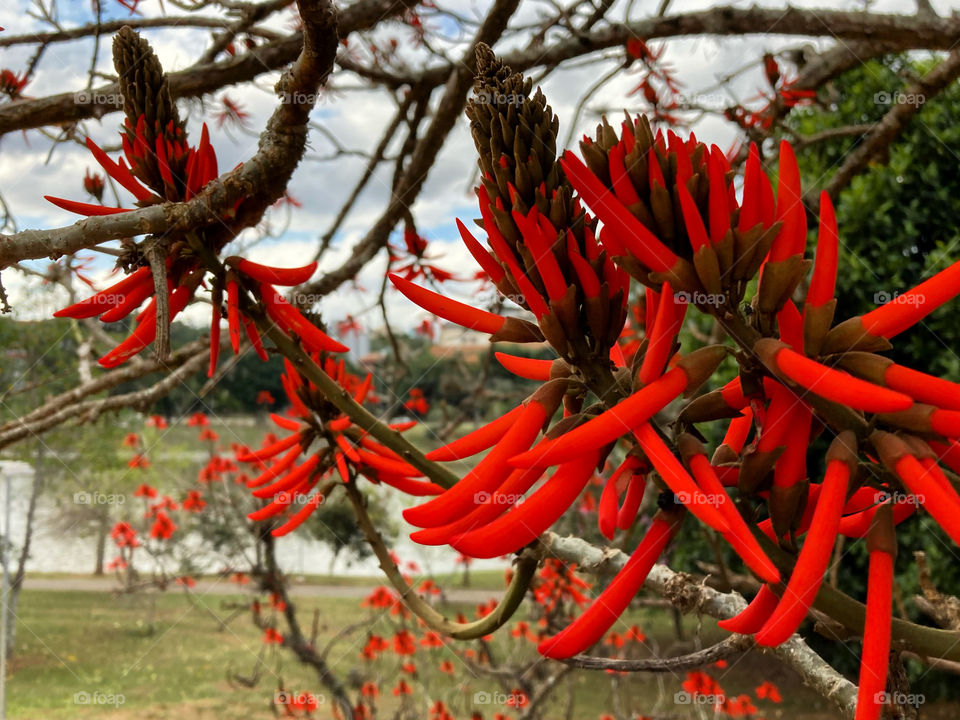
(167, 658)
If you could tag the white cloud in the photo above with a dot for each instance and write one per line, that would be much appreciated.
(356, 119)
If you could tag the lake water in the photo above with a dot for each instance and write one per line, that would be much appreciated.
(54, 551)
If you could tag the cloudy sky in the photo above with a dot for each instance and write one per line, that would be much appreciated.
(31, 166)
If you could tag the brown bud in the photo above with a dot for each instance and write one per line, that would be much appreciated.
(565, 425)
(760, 249)
(816, 325)
(560, 369)
(918, 448)
(597, 310)
(710, 406)
(882, 535)
(725, 250)
(662, 208)
(756, 469)
(700, 365)
(786, 507)
(866, 365)
(689, 446)
(844, 449)
(596, 159)
(744, 245)
(550, 394)
(553, 331)
(851, 335)
(642, 213)
(565, 309)
(916, 418)
(681, 276)
(724, 455)
(777, 283)
(766, 349)
(707, 266)
(517, 331)
(890, 448)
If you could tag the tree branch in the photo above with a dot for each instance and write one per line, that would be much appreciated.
(690, 596)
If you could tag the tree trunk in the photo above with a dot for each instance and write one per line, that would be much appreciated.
(16, 583)
(101, 543)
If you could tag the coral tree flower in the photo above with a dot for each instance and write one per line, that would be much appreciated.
(160, 165)
(321, 443)
(673, 221)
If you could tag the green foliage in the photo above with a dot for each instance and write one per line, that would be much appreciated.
(335, 525)
(898, 220)
(39, 361)
(898, 226)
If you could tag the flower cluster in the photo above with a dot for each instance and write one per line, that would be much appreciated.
(322, 441)
(673, 220)
(160, 165)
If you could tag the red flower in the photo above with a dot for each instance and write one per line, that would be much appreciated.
(271, 636)
(165, 503)
(415, 264)
(124, 535)
(522, 630)
(194, 501)
(373, 647)
(11, 84)
(163, 526)
(161, 166)
(404, 642)
(198, 420)
(94, 185)
(311, 418)
(402, 688)
(349, 325)
(138, 461)
(264, 397)
(431, 639)
(232, 114)
(417, 402)
(768, 691)
(610, 604)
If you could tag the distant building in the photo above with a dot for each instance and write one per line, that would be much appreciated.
(455, 340)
